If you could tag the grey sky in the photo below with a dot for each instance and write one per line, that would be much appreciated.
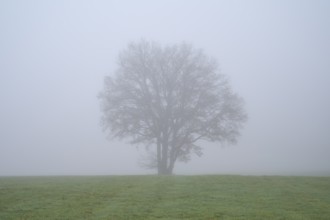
(55, 54)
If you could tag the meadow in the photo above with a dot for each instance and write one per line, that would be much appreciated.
(165, 197)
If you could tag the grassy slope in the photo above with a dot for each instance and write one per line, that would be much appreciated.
(165, 197)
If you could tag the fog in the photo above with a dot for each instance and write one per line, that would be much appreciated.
(54, 56)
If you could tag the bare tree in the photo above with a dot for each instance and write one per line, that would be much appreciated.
(168, 98)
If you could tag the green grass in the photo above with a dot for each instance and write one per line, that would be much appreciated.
(165, 197)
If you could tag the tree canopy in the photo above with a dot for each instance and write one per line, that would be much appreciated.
(168, 98)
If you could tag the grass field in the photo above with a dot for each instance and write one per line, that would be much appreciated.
(165, 197)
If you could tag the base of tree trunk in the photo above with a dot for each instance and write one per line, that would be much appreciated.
(165, 172)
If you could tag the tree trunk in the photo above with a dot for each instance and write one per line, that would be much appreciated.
(171, 165)
(164, 163)
(165, 171)
(159, 157)
(164, 155)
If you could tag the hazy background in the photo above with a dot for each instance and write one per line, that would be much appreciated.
(55, 54)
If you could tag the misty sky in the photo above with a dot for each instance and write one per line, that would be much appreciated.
(54, 56)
